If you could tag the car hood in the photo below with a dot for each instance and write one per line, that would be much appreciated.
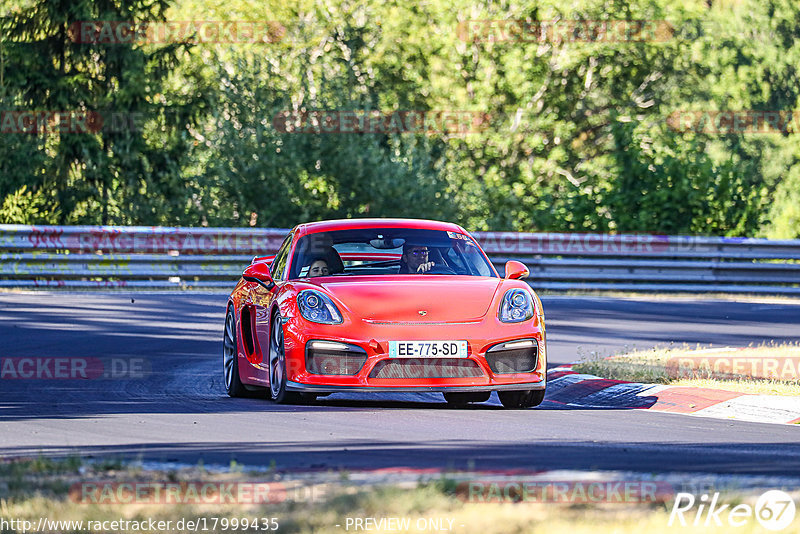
(443, 298)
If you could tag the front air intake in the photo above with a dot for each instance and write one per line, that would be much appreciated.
(330, 358)
(426, 368)
(513, 357)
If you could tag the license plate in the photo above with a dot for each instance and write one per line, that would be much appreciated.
(427, 349)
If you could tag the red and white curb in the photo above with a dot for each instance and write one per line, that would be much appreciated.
(566, 387)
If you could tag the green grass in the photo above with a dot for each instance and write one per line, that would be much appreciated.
(43, 495)
(652, 367)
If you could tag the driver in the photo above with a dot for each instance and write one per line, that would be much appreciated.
(318, 268)
(415, 259)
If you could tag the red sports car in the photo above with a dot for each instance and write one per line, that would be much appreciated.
(384, 305)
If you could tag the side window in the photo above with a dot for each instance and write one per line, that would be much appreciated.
(279, 264)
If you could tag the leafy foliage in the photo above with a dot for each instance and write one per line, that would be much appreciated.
(114, 171)
(580, 136)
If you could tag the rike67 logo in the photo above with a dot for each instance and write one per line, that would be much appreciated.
(774, 510)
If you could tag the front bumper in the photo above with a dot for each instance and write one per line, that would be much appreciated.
(374, 342)
(313, 388)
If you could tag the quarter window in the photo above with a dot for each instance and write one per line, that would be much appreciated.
(279, 265)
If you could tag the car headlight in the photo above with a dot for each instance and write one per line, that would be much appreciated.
(517, 306)
(317, 307)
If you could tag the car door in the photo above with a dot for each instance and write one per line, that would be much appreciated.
(255, 315)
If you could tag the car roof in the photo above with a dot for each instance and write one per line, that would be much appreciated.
(357, 224)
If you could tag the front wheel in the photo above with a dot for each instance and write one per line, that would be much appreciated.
(521, 399)
(277, 365)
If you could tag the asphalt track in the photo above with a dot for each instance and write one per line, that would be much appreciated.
(179, 412)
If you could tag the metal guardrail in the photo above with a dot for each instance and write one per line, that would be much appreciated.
(158, 257)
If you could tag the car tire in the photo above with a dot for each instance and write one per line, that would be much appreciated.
(537, 396)
(230, 358)
(521, 399)
(277, 366)
(460, 399)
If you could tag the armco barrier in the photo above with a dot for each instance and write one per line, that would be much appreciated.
(157, 257)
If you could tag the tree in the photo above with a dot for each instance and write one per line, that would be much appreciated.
(120, 158)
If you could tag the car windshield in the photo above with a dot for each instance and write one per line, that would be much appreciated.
(388, 251)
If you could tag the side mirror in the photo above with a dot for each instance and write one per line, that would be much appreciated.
(516, 270)
(259, 273)
(264, 259)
